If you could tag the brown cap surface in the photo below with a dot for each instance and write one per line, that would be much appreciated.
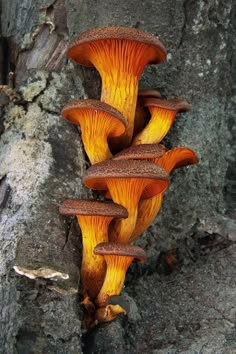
(77, 46)
(149, 93)
(95, 177)
(71, 110)
(176, 104)
(92, 207)
(120, 249)
(141, 152)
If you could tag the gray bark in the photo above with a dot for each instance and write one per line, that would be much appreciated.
(188, 309)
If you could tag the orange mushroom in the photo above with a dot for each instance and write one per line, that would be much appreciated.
(118, 258)
(141, 112)
(98, 122)
(120, 55)
(94, 218)
(172, 159)
(163, 113)
(126, 182)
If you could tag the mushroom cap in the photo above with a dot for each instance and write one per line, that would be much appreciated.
(72, 207)
(141, 152)
(120, 249)
(149, 93)
(77, 52)
(176, 104)
(71, 110)
(96, 175)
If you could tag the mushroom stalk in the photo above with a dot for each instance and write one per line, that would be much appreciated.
(147, 211)
(94, 230)
(97, 149)
(121, 230)
(157, 128)
(115, 276)
(120, 91)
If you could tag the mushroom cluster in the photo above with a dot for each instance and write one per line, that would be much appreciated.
(121, 133)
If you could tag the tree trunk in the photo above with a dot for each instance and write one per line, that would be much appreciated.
(188, 307)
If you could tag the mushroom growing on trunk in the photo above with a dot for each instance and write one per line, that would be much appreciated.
(118, 258)
(94, 218)
(172, 159)
(141, 112)
(126, 182)
(98, 122)
(163, 113)
(120, 55)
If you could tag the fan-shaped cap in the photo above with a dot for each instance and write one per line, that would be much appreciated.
(92, 207)
(77, 47)
(120, 249)
(141, 152)
(95, 177)
(71, 110)
(176, 104)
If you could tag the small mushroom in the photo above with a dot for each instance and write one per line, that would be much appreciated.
(118, 258)
(94, 218)
(126, 182)
(170, 160)
(98, 122)
(163, 113)
(120, 54)
(108, 313)
(141, 112)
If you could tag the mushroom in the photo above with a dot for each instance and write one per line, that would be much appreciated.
(141, 112)
(118, 258)
(163, 113)
(94, 218)
(126, 182)
(108, 313)
(172, 159)
(120, 55)
(98, 121)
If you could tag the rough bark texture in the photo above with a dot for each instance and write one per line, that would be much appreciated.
(186, 308)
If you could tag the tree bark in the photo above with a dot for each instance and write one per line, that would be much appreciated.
(42, 163)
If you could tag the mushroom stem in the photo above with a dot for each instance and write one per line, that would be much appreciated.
(115, 276)
(121, 230)
(97, 149)
(120, 91)
(94, 229)
(158, 126)
(147, 211)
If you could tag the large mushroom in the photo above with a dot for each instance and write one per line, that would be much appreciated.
(127, 182)
(170, 160)
(94, 218)
(120, 55)
(118, 258)
(98, 122)
(163, 113)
